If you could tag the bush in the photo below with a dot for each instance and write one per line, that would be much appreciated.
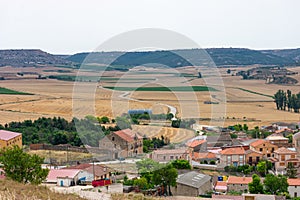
(212, 162)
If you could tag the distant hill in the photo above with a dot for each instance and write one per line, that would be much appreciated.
(221, 57)
(175, 58)
(292, 54)
(29, 57)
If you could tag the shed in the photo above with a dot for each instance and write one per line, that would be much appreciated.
(192, 184)
(63, 177)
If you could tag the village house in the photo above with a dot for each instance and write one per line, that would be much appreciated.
(283, 156)
(204, 157)
(192, 184)
(264, 146)
(197, 145)
(94, 172)
(278, 140)
(221, 187)
(65, 177)
(294, 187)
(124, 143)
(232, 156)
(9, 139)
(239, 184)
(167, 155)
(253, 157)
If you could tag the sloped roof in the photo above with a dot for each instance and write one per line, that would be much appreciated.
(98, 170)
(202, 155)
(171, 151)
(257, 142)
(233, 151)
(128, 135)
(294, 181)
(195, 143)
(54, 173)
(8, 135)
(283, 150)
(221, 185)
(276, 137)
(252, 151)
(80, 166)
(239, 180)
(193, 179)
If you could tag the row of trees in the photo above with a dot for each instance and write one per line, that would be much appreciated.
(154, 143)
(287, 100)
(58, 130)
(272, 184)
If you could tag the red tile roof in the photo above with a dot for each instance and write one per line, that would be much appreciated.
(202, 155)
(258, 142)
(294, 181)
(128, 135)
(8, 135)
(239, 180)
(221, 185)
(284, 150)
(233, 151)
(54, 173)
(195, 143)
(80, 166)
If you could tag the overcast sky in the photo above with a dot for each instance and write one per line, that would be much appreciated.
(71, 26)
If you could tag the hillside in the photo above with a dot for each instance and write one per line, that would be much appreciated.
(175, 58)
(11, 190)
(29, 57)
(221, 57)
(292, 54)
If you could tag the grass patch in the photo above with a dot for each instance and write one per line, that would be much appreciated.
(253, 92)
(13, 92)
(165, 89)
(13, 190)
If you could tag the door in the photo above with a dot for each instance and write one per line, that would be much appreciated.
(61, 183)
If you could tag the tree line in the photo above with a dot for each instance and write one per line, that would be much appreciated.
(58, 130)
(287, 100)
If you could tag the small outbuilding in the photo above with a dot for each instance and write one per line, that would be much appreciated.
(63, 177)
(192, 184)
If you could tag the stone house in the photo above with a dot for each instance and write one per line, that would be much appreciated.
(192, 184)
(294, 187)
(197, 145)
(232, 156)
(278, 140)
(124, 143)
(239, 184)
(253, 157)
(283, 156)
(264, 146)
(167, 155)
(205, 157)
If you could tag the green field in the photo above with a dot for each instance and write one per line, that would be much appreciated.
(96, 78)
(165, 89)
(8, 91)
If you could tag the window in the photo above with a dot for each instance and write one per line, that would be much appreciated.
(292, 156)
(164, 157)
(171, 157)
(282, 157)
(260, 149)
(268, 155)
(176, 157)
(295, 194)
(272, 149)
(282, 164)
(257, 159)
(228, 158)
(113, 138)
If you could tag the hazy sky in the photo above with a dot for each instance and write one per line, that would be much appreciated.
(70, 26)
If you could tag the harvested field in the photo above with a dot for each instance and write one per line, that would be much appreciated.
(248, 99)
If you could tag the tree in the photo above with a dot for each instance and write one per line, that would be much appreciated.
(228, 71)
(166, 175)
(142, 183)
(262, 168)
(22, 167)
(123, 122)
(181, 164)
(147, 165)
(275, 184)
(255, 187)
(291, 171)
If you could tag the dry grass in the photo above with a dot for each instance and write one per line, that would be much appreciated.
(132, 196)
(61, 156)
(54, 98)
(10, 190)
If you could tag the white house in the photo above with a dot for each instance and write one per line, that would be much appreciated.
(294, 187)
(64, 177)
